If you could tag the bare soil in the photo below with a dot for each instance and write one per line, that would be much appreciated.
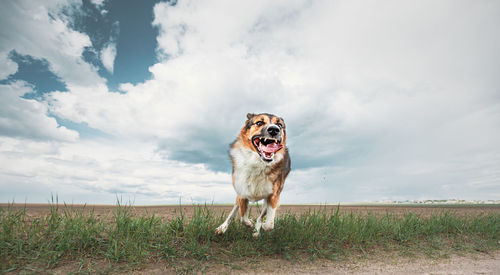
(476, 263)
(171, 211)
(380, 264)
(479, 263)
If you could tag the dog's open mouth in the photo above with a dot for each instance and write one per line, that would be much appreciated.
(267, 147)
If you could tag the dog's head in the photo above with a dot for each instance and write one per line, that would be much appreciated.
(265, 134)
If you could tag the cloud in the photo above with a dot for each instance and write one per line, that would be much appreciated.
(108, 55)
(98, 3)
(297, 60)
(381, 100)
(398, 177)
(100, 171)
(108, 52)
(41, 31)
(7, 66)
(28, 118)
(312, 68)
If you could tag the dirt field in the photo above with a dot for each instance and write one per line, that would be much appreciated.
(477, 263)
(170, 211)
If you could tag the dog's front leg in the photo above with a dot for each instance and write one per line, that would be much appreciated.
(223, 227)
(244, 211)
(258, 222)
(272, 205)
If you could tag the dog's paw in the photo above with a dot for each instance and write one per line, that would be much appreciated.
(247, 222)
(221, 229)
(268, 226)
(256, 230)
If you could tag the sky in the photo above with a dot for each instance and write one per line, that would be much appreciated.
(138, 101)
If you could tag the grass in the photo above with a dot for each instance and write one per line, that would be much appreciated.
(126, 241)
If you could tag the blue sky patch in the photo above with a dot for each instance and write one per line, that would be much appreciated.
(126, 23)
(84, 130)
(36, 72)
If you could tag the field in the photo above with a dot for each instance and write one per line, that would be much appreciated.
(57, 238)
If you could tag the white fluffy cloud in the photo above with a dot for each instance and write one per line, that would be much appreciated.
(7, 66)
(39, 29)
(98, 3)
(99, 171)
(108, 55)
(28, 118)
(392, 100)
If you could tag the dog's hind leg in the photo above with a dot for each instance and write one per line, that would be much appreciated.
(223, 227)
(244, 211)
(258, 222)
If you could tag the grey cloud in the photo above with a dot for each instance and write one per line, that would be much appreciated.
(209, 150)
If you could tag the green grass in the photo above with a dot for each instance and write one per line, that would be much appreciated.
(124, 240)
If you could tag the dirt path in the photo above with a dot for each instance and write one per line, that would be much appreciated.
(466, 264)
(469, 264)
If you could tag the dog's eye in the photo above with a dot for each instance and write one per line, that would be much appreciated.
(279, 125)
(259, 123)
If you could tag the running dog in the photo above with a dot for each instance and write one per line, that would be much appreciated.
(261, 164)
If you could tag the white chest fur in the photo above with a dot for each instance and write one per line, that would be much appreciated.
(250, 174)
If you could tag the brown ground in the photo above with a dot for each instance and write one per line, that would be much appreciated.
(171, 211)
(383, 264)
(479, 263)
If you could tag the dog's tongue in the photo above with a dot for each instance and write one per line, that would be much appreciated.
(271, 147)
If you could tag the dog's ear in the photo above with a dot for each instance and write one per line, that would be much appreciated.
(249, 116)
(248, 124)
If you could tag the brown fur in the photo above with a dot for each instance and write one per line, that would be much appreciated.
(243, 203)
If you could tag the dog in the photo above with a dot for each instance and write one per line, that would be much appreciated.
(261, 164)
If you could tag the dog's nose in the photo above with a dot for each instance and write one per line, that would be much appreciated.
(273, 130)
